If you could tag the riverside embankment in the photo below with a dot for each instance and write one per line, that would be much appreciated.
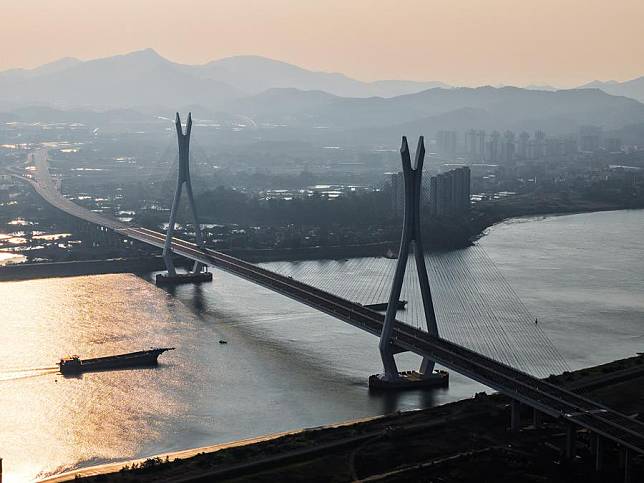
(28, 271)
(463, 441)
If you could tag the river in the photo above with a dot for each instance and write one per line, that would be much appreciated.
(284, 366)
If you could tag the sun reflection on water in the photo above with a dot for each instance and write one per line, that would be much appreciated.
(93, 417)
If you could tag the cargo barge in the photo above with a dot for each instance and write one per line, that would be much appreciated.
(76, 365)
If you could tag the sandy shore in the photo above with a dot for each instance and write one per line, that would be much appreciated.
(184, 454)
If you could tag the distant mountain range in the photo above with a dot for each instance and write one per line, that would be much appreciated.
(144, 78)
(633, 88)
(254, 74)
(486, 107)
(269, 93)
(141, 78)
(557, 113)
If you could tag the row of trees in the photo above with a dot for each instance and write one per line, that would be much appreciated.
(225, 205)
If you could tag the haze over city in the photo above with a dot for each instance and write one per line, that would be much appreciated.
(307, 241)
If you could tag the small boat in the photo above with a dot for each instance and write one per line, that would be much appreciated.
(76, 365)
(391, 255)
(382, 307)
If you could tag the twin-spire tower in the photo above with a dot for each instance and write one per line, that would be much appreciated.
(183, 178)
(411, 238)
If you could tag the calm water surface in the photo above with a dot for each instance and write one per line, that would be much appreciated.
(285, 366)
(583, 275)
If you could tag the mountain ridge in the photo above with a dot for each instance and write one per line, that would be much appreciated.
(153, 85)
(234, 76)
(633, 88)
(229, 78)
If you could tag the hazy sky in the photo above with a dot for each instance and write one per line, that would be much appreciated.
(465, 42)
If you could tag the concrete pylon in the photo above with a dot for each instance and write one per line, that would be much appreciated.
(183, 177)
(411, 235)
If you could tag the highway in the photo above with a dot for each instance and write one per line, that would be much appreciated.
(536, 393)
(46, 187)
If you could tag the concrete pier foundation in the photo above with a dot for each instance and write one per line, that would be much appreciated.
(410, 380)
(183, 278)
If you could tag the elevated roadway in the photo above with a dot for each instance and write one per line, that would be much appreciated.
(536, 393)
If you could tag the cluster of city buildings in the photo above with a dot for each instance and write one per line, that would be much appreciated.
(445, 194)
(326, 191)
(495, 147)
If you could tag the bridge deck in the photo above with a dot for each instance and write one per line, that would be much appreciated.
(539, 394)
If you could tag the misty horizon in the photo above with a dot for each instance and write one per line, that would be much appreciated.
(535, 84)
(474, 44)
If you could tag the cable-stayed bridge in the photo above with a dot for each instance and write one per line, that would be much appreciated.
(486, 333)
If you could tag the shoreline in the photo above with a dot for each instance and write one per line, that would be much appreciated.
(30, 271)
(278, 450)
(545, 216)
(531, 204)
(107, 468)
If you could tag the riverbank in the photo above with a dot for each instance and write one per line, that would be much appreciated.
(446, 233)
(76, 268)
(463, 441)
(30, 271)
(313, 253)
(439, 235)
(488, 213)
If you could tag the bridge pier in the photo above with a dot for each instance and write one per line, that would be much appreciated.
(598, 450)
(626, 456)
(392, 378)
(515, 416)
(536, 418)
(199, 271)
(571, 442)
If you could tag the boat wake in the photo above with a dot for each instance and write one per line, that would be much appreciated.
(13, 374)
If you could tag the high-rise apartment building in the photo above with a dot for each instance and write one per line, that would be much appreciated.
(507, 148)
(493, 148)
(397, 193)
(449, 192)
(522, 148)
(589, 138)
(447, 142)
(475, 145)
